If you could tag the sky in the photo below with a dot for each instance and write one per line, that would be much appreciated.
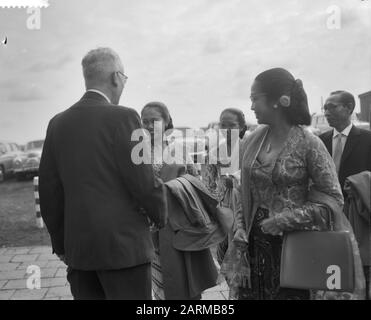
(196, 56)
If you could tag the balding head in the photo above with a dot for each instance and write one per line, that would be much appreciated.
(101, 69)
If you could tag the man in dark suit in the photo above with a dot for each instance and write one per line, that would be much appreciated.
(91, 192)
(349, 146)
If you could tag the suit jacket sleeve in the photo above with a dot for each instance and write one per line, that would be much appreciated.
(148, 190)
(51, 194)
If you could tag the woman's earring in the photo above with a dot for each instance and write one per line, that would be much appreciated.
(275, 106)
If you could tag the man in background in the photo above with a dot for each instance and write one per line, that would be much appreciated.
(349, 146)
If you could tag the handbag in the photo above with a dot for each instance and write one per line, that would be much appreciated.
(320, 260)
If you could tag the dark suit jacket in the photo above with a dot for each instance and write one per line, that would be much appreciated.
(356, 155)
(90, 190)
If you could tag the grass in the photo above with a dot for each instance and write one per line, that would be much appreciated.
(18, 216)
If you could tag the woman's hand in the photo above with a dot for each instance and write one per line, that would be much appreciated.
(240, 239)
(269, 226)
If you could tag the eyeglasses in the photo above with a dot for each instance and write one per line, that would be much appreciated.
(123, 75)
(331, 106)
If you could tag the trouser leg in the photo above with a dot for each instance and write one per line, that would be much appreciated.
(127, 284)
(85, 285)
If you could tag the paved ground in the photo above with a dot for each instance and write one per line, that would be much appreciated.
(54, 286)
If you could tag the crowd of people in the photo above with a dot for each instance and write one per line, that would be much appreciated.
(139, 231)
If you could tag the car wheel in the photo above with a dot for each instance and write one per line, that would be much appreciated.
(2, 174)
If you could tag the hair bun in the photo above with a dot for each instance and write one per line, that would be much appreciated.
(299, 83)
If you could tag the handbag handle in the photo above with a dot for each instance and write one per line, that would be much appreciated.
(331, 220)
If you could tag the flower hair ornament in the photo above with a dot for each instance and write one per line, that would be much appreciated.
(285, 101)
(299, 83)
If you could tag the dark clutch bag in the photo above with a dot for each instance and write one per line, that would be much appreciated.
(320, 260)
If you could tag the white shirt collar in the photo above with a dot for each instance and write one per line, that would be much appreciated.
(99, 92)
(345, 132)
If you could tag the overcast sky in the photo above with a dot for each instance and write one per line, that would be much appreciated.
(197, 56)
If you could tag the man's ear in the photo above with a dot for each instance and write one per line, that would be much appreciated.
(114, 79)
(350, 107)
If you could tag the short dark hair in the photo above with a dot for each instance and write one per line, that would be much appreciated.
(241, 119)
(162, 108)
(277, 82)
(346, 98)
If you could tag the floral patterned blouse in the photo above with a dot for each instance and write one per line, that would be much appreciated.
(283, 186)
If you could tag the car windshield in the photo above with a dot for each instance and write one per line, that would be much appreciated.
(35, 145)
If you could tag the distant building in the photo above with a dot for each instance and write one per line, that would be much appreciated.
(365, 100)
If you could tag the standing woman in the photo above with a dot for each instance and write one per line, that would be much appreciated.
(176, 275)
(214, 176)
(289, 183)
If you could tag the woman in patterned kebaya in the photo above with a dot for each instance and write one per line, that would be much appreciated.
(282, 164)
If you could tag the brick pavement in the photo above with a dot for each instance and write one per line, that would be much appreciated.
(54, 285)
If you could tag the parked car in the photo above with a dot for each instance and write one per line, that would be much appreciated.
(27, 163)
(8, 152)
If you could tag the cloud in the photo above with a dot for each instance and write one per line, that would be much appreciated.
(24, 93)
(6, 124)
(46, 65)
(176, 82)
(8, 84)
(213, 45)
(196, 55)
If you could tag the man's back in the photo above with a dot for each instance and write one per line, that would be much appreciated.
(100, 188)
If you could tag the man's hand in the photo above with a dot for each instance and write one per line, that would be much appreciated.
(269, 226)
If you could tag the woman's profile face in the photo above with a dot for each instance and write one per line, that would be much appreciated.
(150, 116)
(260, 104)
